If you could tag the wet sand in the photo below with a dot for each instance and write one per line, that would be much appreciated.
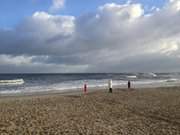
(154, 111)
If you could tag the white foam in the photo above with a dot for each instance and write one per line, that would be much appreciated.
(172, 80)
(12, 82)
(131, 77)
(152, 74)
(10, 92)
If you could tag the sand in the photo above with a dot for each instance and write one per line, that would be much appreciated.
(128, 112)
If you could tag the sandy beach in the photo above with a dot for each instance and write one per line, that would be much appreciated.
(152, 111)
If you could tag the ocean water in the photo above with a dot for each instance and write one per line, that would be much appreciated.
(27, 83)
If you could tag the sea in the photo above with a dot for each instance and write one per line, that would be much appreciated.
(31, 83)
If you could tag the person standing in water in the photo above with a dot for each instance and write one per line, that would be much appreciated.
(110, 86)
(129, 84)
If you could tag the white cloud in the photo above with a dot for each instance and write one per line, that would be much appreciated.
(53, 23)
(127, 10)
(43, 27)
(174, 5)
(56, 5)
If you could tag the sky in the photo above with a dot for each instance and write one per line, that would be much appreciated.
(12, 12)
(68, 36)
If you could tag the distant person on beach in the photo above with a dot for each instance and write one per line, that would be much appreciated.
(85, 88)
(129, 84)
(110, 86)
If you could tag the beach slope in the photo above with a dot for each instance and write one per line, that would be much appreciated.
(129, 112)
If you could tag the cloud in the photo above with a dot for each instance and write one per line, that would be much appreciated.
(18, 60)
(126, 10)
(57, 5)
(173, 5)
(37, 35)
(115, 38)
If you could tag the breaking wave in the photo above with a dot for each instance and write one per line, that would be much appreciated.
(12, 82)
(131, 77)
(172, 80)
(152, 74)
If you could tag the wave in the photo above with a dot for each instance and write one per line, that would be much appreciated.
(148, 75)
(12, 82)
(131, 77)
(152, 74)
(172, 80)
(79, 84)
(10, 92)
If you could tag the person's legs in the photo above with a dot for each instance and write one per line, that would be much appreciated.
(110, 90)
(129, 84)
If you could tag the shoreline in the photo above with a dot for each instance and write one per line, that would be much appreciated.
(79, 91)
